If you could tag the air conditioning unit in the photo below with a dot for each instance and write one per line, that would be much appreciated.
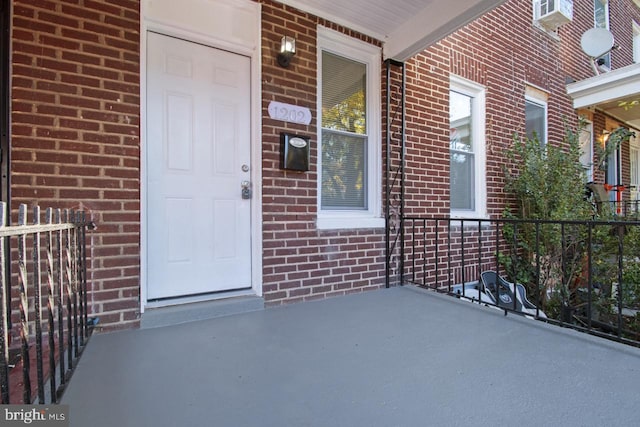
(552, 13)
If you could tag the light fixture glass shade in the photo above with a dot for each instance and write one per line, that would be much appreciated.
(288, 45)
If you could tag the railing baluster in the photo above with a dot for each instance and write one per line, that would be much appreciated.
(24, 306)
(68, 285)
(60, 296)
(74, 278)
(37, 296)
(51, 306)
(5, 296)
(83, 272)
(462, 249)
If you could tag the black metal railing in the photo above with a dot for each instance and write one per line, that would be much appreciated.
(627, 209)
(580, 274)
(43, 287)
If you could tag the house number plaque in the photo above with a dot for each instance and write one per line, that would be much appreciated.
(289, 113)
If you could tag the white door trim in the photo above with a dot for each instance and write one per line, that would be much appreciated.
(167, 28)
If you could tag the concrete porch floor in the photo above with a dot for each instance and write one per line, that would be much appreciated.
(394, 357)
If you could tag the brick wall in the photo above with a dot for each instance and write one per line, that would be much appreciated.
(301, 262)
(75, 132)
(504, 52)
(76, 116)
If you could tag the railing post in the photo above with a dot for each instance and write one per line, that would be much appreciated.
(5, 296)
(83, 272)
(620, 233)
(437, 252)
(589, 274)
(537, 268)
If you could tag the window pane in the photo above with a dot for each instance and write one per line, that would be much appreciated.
(462, 181)
(535, 122)
(462, 162)
(600, 13)
(460, 122)
(343, 94)
(343, 171)
(586, 150)
(601, 20)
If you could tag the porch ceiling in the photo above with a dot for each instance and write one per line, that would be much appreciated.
(405, 26)
(609, 92)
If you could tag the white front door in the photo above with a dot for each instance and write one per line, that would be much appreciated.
(198, 157)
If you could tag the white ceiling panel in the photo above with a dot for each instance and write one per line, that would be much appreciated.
(405, 26)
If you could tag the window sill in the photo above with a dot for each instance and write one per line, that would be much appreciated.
(468, 215)
(340, 222)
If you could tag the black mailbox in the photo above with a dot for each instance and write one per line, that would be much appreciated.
(295, 152)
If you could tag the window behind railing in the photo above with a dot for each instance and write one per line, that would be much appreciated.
(44, 321)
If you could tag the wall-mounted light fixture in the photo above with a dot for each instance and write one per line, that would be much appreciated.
(287, 50)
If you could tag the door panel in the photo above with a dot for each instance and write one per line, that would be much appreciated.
(198, 140)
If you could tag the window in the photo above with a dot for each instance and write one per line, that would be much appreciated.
(634, 170)
(613, 172)
(586, 150)
(601, 20)
(536, 119)
(636, 42)
(467, 183)
(349, 156)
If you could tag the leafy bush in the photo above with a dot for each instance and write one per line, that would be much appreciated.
(547, 183)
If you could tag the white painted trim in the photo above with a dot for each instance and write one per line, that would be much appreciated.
(589, 169)
(636, 41)
(348, 47)
(478, 114)
(333, 17)
(254, 53)
(435, 21)
(611, 86)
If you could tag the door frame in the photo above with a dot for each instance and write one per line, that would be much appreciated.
(254, 54)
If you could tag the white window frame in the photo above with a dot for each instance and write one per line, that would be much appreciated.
(605, 3)
(478, 137)
(541, 103)
(350, 48)
(636, 42)
(587, 129)
(634, 168)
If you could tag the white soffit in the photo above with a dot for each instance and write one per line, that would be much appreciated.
(607, 91)
(406, 27)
